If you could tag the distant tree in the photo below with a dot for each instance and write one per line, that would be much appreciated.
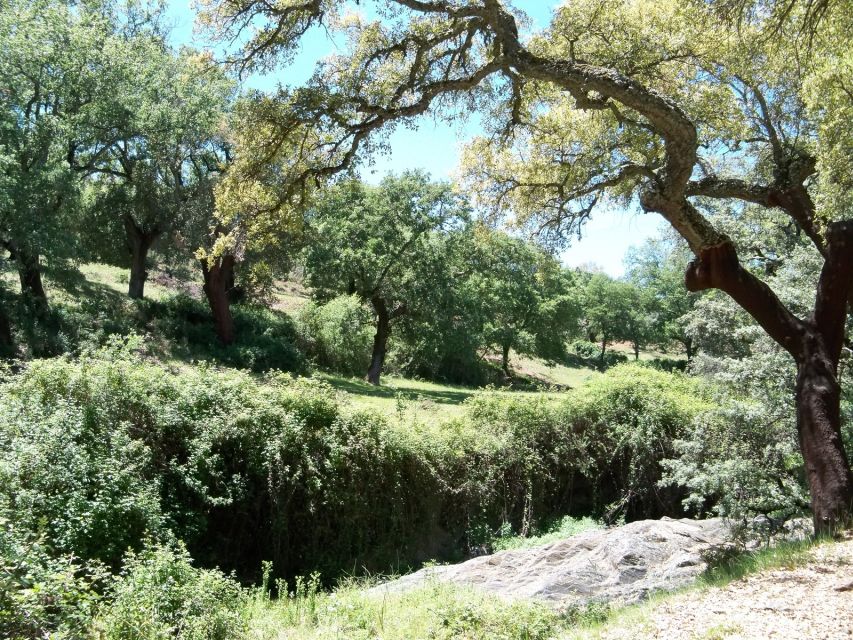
(370, 241)
(154, 168)
(614, 311)
(527, 300)
(657, 268)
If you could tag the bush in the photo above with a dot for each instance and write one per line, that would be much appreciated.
(612, 358)
(338, 334)
(161, 596)
(585, 349)
(102, 453)
(632, 416)
(73, 466)
(43, 595)
(265, 339)
(737, 462)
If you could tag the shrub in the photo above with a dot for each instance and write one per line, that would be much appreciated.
(737, 461)
(612, 358)
(585, 349)
(101, 453)
(632, 415)
(338, 334)
(43, 595)
(72, 464)
(161, 596)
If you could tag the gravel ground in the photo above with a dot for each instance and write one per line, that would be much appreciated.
(814, 601)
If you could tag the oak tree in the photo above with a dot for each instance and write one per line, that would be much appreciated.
(658, 104)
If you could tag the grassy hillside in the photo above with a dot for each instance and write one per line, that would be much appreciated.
(89, 302)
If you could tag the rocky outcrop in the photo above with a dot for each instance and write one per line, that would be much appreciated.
(622, 564)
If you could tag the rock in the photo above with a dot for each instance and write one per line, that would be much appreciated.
(623, 564)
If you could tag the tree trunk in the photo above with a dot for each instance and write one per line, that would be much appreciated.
(815, 345)
(6, 341)
(636, 350)
(688, 348)
(380, 339)
(29, 272)
(603, 349)
(819, 428)
(216, 278)
(139, 243)
(505, 360)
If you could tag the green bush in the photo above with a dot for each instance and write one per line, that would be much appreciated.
(101, 453)
(160, 595)
(612, 358)
(585, 349)
(737, 461)
(265, 339)
(632, 416)
(43, 595)
(73, 466)
(338, 334)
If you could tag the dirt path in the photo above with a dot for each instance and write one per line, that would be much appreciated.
(814, 601)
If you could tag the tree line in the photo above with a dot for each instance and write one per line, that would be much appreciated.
(113, 147)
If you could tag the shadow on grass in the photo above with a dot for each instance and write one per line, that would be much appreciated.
(84, 314)
(361, 388)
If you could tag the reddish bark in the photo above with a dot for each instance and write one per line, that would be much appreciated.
(217, 277)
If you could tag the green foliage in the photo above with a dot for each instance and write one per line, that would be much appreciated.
(560, 529)
(100, 453)
(585, 349)
(635, 414)
(337, 334)
(435, 610)
(42, 594)
(73, 467)
(160, 595)
(382, 245)
(524, 298)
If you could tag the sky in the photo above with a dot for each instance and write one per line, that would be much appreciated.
(435, 145)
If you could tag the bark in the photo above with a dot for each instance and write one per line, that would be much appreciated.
(819, 429)
(688, 348)
(6, 341)
(216, 278)
(29, 272)
(636, 351)
(380, 339)
(603, 349)
(815, 344)
(139, 243)
(505, 360)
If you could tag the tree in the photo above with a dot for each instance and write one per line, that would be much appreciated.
(525, 296)
(152, 172)
(622, 100)
(657, 268)
(369, 241)
(610, 312)
(48, 70)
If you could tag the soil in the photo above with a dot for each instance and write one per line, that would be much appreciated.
(812, 601)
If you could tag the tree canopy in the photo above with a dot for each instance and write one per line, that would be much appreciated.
(617, 100)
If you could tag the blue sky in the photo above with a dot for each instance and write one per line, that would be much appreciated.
(434, 146)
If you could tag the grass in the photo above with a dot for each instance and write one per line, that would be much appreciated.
(564, 528)
(413, 400)
(436, 610)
